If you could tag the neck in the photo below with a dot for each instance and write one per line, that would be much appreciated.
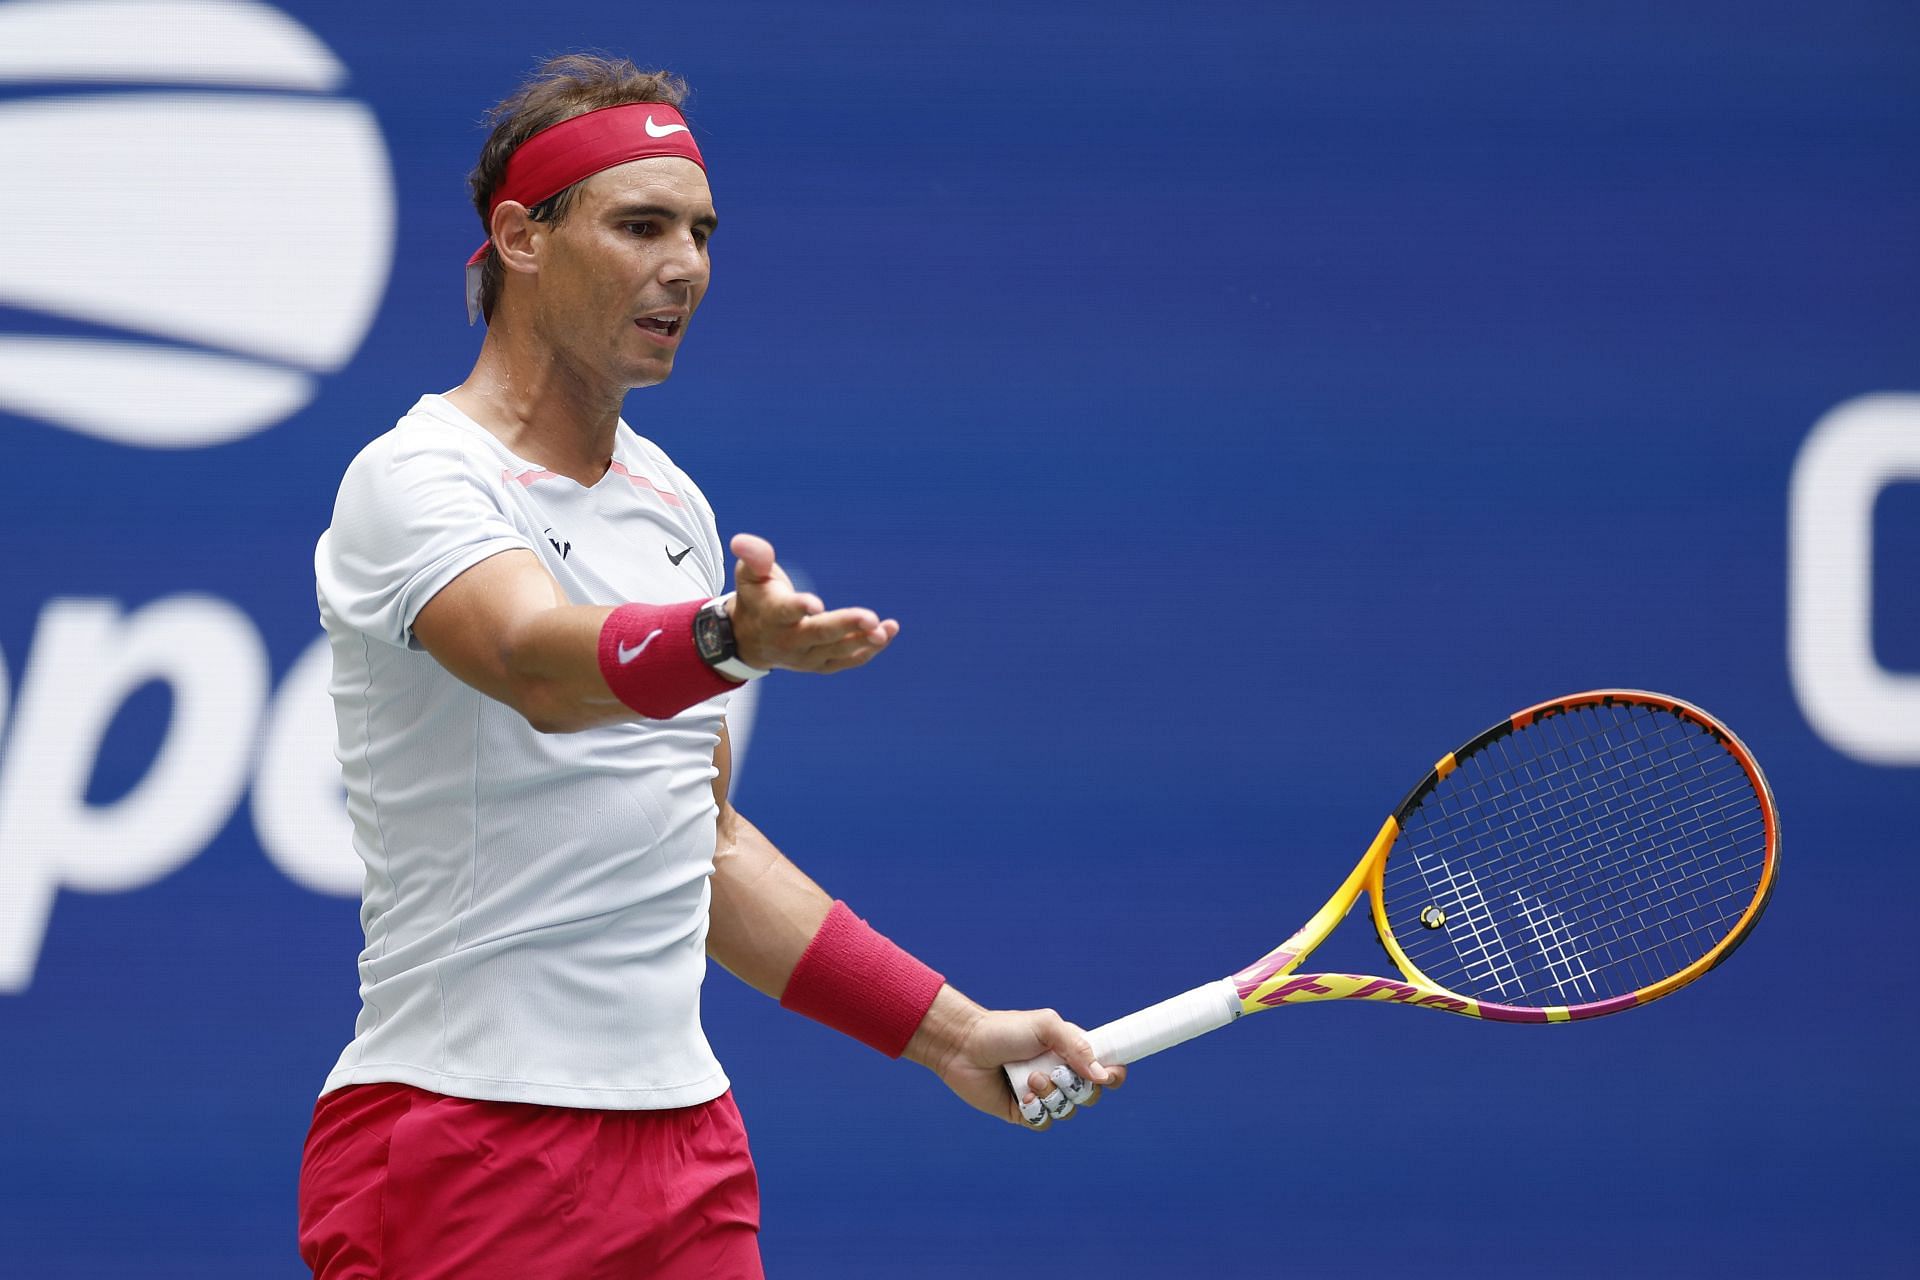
(540, 406)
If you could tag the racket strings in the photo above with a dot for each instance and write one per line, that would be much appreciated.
(1585, 865)
(1588, 855)
(1558, 950)
(1644, 883)
(1656, 891)
(1643, 898)
(1606, 819)
(1542, 931)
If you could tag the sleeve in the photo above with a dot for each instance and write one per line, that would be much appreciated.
(408, 520)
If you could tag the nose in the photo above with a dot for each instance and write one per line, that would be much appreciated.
(685, 263)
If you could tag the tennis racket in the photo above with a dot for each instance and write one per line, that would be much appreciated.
(1588, 855)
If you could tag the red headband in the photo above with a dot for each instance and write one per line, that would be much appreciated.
(555, 158)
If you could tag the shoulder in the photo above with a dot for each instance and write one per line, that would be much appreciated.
(417, 506)
(424, 439)
(422, 452)
(424, 486)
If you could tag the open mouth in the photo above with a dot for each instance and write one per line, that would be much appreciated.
(669, 328)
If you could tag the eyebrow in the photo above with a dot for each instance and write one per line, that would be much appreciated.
(709, 221)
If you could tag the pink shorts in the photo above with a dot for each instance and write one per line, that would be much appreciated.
(401, 1184)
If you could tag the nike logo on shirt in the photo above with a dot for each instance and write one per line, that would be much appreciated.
(627, 655)
(675, 560)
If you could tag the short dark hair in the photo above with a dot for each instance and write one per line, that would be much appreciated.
(560, 88)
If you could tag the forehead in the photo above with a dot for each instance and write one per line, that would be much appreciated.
(670, 182)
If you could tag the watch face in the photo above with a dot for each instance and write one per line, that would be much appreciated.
(710, 636)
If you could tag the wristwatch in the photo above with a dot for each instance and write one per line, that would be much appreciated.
(713, 639)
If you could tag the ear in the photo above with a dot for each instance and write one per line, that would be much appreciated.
(516, 237)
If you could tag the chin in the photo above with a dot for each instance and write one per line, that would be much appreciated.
(649, 375)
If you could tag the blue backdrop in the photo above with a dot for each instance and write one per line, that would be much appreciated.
(1238, 405)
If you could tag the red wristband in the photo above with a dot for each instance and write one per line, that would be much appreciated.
(857, 982)
(647, 658)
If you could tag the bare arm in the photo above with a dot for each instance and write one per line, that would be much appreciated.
(766, 911)
(505, 627)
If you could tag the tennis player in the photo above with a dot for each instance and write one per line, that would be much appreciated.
(533, 649)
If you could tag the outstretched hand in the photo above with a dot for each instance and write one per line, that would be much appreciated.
(776, 626)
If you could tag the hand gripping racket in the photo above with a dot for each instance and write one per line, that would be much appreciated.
(1588, 855)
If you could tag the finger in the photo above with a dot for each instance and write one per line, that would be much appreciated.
(1080, 1090)
(1052, 1097)
(817, 666)
(1033, 1113)
(857, 658)
(1071, 1043)
(852, 617)
(836, 627)
(793, 608)
(755, 556)
(853, 649)
(833, 641)
(1058, 1105)
(859, 645)
(881, 634)
(828, 666)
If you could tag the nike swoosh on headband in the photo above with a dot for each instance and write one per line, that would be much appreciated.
(664, 130)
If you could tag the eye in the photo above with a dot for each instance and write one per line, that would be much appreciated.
(638, 228)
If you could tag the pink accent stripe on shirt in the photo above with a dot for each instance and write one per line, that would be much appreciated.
(525, 480)
(667, 496)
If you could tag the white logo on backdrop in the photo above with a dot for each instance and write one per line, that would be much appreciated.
(238, 241)
(1855, 703)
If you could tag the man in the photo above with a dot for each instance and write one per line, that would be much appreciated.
(532, 653)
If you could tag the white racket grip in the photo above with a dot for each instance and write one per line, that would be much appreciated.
(1156, 1027)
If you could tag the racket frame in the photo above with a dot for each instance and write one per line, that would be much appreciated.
(1273, 980)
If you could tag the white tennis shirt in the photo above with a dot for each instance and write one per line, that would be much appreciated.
(535, 905)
